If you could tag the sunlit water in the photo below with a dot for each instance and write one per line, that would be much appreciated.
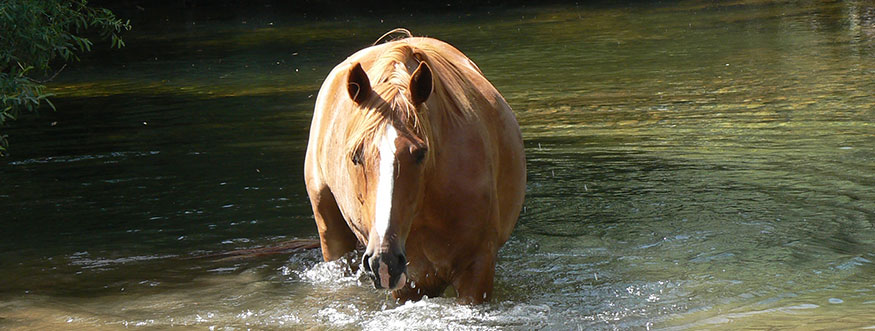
(690, 166)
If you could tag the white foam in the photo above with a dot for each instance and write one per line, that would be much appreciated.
(334, 273)
(446, 314)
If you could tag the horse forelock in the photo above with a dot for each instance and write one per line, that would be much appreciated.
(389, 104)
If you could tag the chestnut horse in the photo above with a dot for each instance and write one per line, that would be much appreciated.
(413, 153)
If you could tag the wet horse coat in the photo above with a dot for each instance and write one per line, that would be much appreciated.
(413, 153)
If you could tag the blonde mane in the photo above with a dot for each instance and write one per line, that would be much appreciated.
(450, 102)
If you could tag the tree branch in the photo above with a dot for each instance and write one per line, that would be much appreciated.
(50, 78)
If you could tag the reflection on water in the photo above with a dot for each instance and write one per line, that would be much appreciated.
(690, 166)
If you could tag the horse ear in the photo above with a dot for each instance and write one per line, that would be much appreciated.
(358, 84)
(421, 83)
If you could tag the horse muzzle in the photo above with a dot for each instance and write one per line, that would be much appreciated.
(387, 270)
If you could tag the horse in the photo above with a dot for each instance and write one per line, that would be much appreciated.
(416, 156)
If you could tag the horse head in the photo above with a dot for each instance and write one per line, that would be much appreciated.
(388, 167)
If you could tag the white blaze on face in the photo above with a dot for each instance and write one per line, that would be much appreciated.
(386, 181)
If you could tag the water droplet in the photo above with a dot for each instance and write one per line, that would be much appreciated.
(836, 301)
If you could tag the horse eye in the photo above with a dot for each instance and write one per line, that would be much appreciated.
(419, 154)
(357, 157)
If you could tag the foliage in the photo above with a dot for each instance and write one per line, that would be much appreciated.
(34, 34)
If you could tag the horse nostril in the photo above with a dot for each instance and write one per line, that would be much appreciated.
(402, 261)
(366, 263)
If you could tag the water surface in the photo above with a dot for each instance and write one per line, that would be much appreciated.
(691, 166)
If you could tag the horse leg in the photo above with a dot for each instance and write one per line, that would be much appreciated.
(474, 284)
(335, 236)
(410, 293)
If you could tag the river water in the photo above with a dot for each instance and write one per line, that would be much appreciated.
(694, 165)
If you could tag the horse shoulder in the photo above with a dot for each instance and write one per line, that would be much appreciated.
(462, 186)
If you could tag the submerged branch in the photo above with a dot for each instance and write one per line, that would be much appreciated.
(283, 248)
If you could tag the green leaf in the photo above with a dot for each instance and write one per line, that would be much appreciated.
(50, 103)
(33, 34)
